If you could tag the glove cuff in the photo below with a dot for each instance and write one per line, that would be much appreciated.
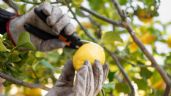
(9, 33)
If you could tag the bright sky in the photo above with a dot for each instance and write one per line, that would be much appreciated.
(164, 11)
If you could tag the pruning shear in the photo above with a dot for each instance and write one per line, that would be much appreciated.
(73, 41)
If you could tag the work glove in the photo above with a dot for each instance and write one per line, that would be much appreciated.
(55, 23)
(88, 80)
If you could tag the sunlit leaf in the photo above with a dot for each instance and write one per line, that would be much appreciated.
(110, 37)
(123, 87)
(145, 73)
(46, 64)
(24, 41)
(109, 87)
(142, 83)
(123, 2)
(2, 46)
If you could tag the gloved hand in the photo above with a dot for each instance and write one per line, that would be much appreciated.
(56, 21)
(88, 82)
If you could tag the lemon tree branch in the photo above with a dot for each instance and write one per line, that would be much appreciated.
(84, 29)
(101, 17)
(167, 91)
(20, 82)
(127, 26)
(115, 58)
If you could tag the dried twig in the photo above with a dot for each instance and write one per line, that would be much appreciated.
(75, 17)
(20, 82)
(101, 17)
(99, 31)
(37, 3)
(114, 57)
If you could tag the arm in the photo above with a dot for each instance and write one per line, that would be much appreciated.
(54, 24)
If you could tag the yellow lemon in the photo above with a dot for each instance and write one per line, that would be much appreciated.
(32, 92)
(144, 15)
(148, 38)
(169, 41)
(133, 47)
(159, 85)
(89, 51)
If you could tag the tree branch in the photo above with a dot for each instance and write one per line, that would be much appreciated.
(20, 82)
(37, 3)
(127, 26)
(115, 58)
(84, 29)
(167, 91)
(99, 30)
(101, 17)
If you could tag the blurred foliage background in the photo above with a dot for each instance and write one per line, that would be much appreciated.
(45, 67)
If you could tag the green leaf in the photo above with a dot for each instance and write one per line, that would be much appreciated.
(46, 64)
(4, 56)
(93, 4)
(145, 73)
(123, 2)
(110, 37)
(39, 54)
(123, 87)
(111, 76)
(149, 2)
(155, 77)
(141, 83)
(110, 85)
(77, 3)
(14, 57)
(22, 9)
(2, 46)
(24, 41)
(168, 59)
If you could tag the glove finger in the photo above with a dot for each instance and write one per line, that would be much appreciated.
(98, 76)
(51, 44)
(59, 26)
(81, 81)
(105, 71)
(90, 80)
(69, 29)
(67, 76)
(55, 16)
(46, 8)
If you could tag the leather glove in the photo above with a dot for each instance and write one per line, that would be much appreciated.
(88, 80)
(55, 22)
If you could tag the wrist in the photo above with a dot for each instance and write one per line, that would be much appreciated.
(14, 28)
(9, 32)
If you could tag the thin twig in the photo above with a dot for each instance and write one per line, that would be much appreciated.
(120, 12)
(103, 93)
(37, 3)
(20, 82)
(114, 57)
(134, 65)
(127, 26)
(99, 31)
(101, 17)
(75, 17)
